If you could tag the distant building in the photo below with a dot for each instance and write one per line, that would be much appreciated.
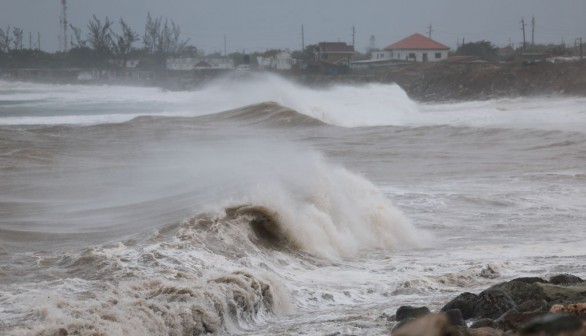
(275, 60)
(416, 48)
(192, 63)
(132, 63)
(337, 53)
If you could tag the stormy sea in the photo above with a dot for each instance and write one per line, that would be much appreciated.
(257, 206)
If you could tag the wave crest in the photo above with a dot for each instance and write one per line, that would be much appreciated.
(316, 208)
(268, 114)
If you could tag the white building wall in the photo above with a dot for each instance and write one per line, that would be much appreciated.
(409, 55)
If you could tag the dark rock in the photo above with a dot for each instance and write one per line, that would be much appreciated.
(530, 280)
(533, 305)
(484, 323)
(521, 290)
(552, 324)
(455, 317)
(565, 279)
(410, 312)
(492, 303)
(464, 302)
(564, 294)
(516, 321)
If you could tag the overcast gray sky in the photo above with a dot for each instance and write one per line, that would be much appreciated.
(257, 25)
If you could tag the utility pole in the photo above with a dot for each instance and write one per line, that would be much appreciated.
(39, 41)
(64, 23)
(581, 53)
(533, 30)
(30, 40)
(225, 54)
(523, 28)
(353, 35)
(302, 38)
(429, 30)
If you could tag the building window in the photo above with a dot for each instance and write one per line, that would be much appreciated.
(412, 56)
(438, 55)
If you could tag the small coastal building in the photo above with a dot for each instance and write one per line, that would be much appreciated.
(274, 60)
(132, 63)
(192, 63)
(415, 48)
(337, 53)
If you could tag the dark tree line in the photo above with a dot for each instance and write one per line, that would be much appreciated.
(100, 45)
(482, 49)
(11, 39)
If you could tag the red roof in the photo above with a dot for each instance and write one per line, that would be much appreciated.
(416, 41)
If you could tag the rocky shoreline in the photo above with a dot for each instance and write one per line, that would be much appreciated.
(523, 306)
(439, 82)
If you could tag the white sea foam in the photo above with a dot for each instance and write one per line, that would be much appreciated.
(341, 105)
(373, 104)
(326, 210)
(546, 113)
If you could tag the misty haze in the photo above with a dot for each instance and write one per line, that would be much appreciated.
(264, 167)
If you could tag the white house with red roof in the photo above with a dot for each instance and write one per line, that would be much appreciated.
(416, 48)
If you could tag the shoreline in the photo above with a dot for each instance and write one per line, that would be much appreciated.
(423, 82)
(522, 306)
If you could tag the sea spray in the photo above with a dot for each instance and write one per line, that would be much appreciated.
(341, 105)
(325, 210)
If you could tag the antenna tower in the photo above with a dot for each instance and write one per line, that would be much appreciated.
(63, 23)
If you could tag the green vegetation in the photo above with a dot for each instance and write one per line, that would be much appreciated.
(482, 49)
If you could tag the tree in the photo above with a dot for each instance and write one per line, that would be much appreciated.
(124, 42)
(100, 36)
(483, 49)
(306, 55)
(163, 38)
(17, 40)
(151, 33)
(5, 39)
(79, 42)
